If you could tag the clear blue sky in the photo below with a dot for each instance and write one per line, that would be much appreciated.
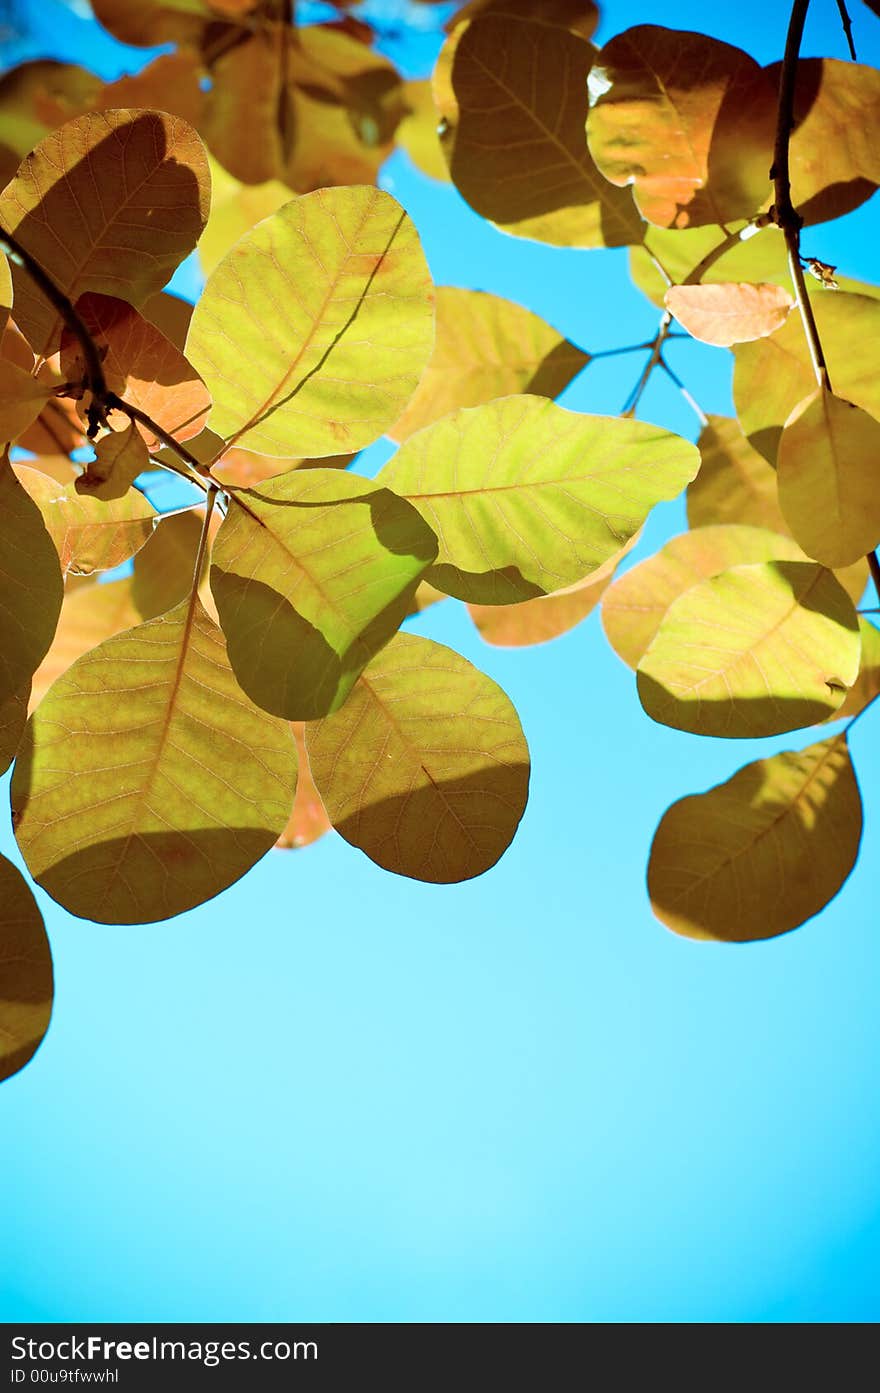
(335, 1094)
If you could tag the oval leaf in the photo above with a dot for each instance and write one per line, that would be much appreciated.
(687, 120)
(828, 491)
(88, 617)
(89, 532)
(760, 854)
(26, 985)
(425, 768)
(312, 573)
(527, 498)
(31, 585)
(22, 398)
(120, 456)
(131, 190)
(147, 782)
(757, 650)
(329, 301)
(729, 313)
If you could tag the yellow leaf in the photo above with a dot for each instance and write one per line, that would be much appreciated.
(867, 684)
(22, 398)
(26, 984)
(30, 584)
(90, 533)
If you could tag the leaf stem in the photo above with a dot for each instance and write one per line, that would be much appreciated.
(656, 347)
(874, 567)
(210, 500)
(113, 402)
(847, 28)
(691, 401)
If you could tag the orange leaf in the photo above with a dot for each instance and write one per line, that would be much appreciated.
(729, 313)
(308, 820)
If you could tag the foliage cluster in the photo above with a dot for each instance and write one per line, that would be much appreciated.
(248, 683)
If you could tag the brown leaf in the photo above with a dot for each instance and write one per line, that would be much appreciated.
(308, 820)
(729, 313)
(120, 456)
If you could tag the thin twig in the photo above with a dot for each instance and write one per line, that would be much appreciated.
(691, 401)
(874, 567)
(847, 28)
(210, 500)
(656, 346)
(113, 402)
(731, 240)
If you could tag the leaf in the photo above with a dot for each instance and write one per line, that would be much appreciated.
(687, 120)
(425, 768)
(760, 256)
(487, 347)
(511, 93)
(541, 619)
(727, 314)
(312, 573)
(758, 650)
(329, 300)
(827, 488)
(22, 398)
(760, 854)
(150, 22)
(13, 715)
(633, 608)
(26, 985)
(417, 132)
(527, 498)
(737, 485)
(163, 569)
(120, 456)
(143, 366)
(5, 293)
(867, 684)
(171, 316)
(131, 191)
(246, 469)
(235, 209)
(87, 618)
(89, 533)
(308, 820)
(833, 155)
(147, 782)
(773, 375)
(31, 588)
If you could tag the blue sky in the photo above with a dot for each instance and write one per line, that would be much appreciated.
(335, 1094)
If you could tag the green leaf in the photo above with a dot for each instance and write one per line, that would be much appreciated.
(329, 301)
(88, 617)
(147, 782)
(511, 94)
(633, 608)
(425, 768)
(760, 854)
(131, 191)
(729, 313)
(687, 120)
(757, 650)
(26, 985)
(312, 573)
(163, 569)
(527, 498)
(90, 533)
(13, 715)
(773, 375)
(828, 491)
(867, 684)
(31, 586)
(487, 347)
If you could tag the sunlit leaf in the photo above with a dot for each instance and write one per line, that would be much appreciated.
(13, 715)
(729, 313)
(87, 618)
(757, 650)
(131, 191)
(527, 498)
(687, 120)
(120, 456)
(171, 83)
(487, 347)
(312, 573)
(772, 376)
(5, 293)
(329, 301)
(759, 257)
(827, 464)
(25, 973)
(143, 366)
(246, 469)
(417, 132)
(760, 854)
(235, 209)
(833, 155)
(147, 782)
(425, 768)
(22, 398)
(90, 533)
(867, 684)
(31, 587)
(511, 94)
(539, 620)
(308, 821)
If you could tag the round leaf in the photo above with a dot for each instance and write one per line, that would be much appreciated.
(729, 313)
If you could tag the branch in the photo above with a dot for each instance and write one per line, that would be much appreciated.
(874, 567)
(112, 402)
(656, 347)
(847, 28)
(691, 401)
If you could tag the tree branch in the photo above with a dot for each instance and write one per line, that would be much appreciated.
(656, 347)
(847, 28)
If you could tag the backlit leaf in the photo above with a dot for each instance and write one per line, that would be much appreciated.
(487, 347)
(729, 313)
(526, 497)
(120, 456)
(511, 95)
(633, 608)
(235, 209)
(687, 120)
(867, 684)
(22, 398)
(163, 569)
(417, 132)
(143, 366)
(13, 715)
(757, 650)
(87, 618)
(171, 316)
(425, 768)
(149, 22)
(147, 782)
(90, 533)
(31, 588)
(539, 620)
(308, 821)
(312, 573)
(329, 301)
(773, 375)
(131, 191)
(760, 854)
(5, 292)
(828, 491)
(26, 985)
